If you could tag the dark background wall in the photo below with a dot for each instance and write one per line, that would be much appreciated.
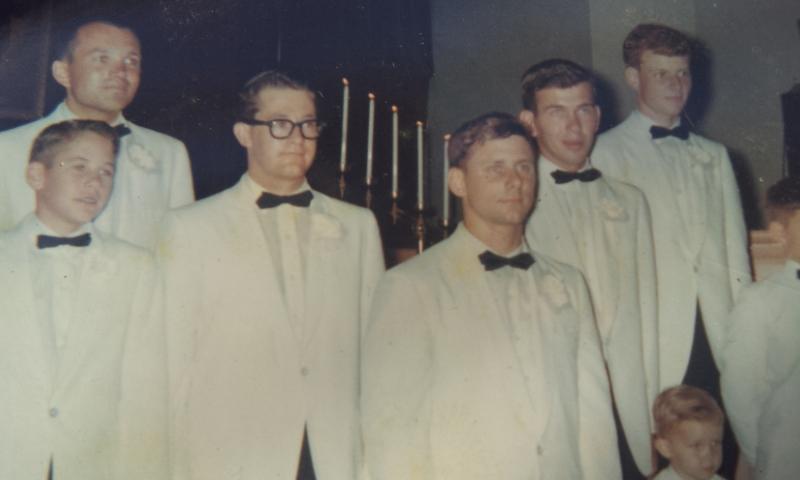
(440, 61)
(751, 56)
(198, 53)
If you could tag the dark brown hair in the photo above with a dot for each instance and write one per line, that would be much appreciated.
(553, 73)
(53, 137)
(479, 130)
(657, 38)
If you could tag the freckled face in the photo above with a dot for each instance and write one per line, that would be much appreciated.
(76, 187)
(662, 84)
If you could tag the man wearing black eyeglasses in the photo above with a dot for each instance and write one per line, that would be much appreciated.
(266, 285)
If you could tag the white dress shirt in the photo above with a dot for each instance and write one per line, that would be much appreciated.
(56, 279)
(286, 233)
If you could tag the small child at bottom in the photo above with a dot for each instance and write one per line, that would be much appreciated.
(688, 433)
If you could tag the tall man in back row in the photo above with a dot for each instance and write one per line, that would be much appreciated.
(601, 227)
(99, 64)
(267, 286)
(700, 237)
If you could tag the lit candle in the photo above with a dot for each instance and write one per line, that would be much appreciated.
(370, 135)
(446, 198)
(395, 173)
(420, 185)
(345, 114)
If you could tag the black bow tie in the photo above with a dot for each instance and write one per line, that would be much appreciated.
(589, 175)
(47, 241)
(681, 131)
(492, 261)
(121, 130)
(270, 200)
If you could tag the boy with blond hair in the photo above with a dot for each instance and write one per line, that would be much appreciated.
(79, 344)
(688, 433)
(761, 362)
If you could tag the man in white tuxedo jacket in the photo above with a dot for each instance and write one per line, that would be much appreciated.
(100, 67)
(81, 354)
(267, 285)
(601, 227)
(482, 360)
(761, 363)
(698, 226)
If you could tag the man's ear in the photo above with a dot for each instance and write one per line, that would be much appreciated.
(35, 175)
(242, 133)
(456, 181)
(61, 73)
(599, 117)
(632, 78)
(526, 117)
(662, 446)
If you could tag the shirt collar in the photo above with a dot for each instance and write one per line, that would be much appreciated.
(645, 122)
(62, 112)
(476, 246)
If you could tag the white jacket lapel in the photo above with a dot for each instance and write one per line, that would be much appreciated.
(30, 339)
(326, 237)
(91, 311)
(475, 295)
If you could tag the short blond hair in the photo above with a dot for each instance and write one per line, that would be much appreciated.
(682, 403)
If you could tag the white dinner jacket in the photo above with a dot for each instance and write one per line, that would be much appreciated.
(152, 175)
(444, 395)
(242, 386)
(699, 259)
(761, 373)
(101, 389)
(613, 221)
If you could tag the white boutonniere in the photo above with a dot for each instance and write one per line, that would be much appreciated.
(698, 153)
(612, 210)
(142, 158)
(326, 226)
(554, 292)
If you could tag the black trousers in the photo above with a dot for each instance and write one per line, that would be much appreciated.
(629, 469)
(305, 467)
(702, 373)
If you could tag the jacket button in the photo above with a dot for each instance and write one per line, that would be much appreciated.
(304, 371)
(539, 449)
(53, 412)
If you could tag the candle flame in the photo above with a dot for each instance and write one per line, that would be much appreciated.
(446, 137)
(371, 96)
(345, 82)
(394, 108)
(419, 124)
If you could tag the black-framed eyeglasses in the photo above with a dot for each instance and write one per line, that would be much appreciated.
(282, 128)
